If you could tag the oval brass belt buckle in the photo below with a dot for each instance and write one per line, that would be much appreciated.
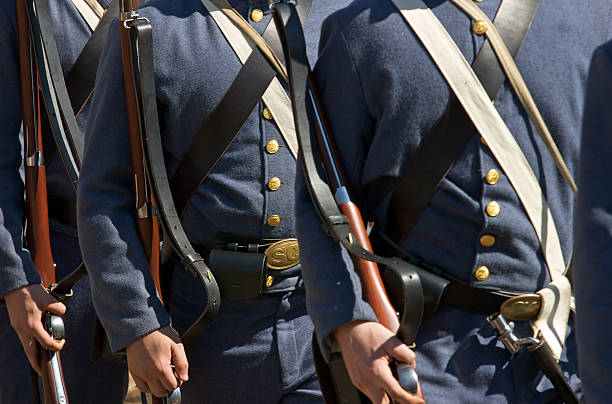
(524, 307)
(283, 254)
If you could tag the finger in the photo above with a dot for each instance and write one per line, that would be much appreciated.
(399, 351)
(179, 360)
(141, 384)
(168, 380)
(55, 307)
(157, 388)
(46, 340)
(377, 395)
(385, 378)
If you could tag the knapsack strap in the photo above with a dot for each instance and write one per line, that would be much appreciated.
(445, 143)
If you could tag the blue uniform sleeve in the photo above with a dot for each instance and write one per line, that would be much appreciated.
(122, 287)
(333, 289)
(593, 233)
(16, 266)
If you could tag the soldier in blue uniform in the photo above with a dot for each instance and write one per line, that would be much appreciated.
(256, 350)
(383, 94)
(19, 280)
(592, 232)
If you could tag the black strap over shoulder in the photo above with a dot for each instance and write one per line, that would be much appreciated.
(59, 110)
(81, 78)
(445, 143)
(271, 33)
(142, 60)
(221, 127)
(228, 117)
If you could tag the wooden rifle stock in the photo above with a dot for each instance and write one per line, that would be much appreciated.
(146, 220)
(373, 288)
(374, 291)
(37, 231)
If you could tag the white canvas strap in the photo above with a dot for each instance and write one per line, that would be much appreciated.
(90, 10)
(552, 321)
(275, 97)
(466, 86)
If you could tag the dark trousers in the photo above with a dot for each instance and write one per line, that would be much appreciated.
(255, 351)
(86, 382)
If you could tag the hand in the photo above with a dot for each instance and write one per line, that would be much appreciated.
(368, 348)
(158, 362)
(26, 306)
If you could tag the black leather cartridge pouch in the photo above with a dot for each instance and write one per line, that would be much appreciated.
(240, 275)
(434, 287)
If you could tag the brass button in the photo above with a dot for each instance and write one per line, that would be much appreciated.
(267, 114)
(484, 142)
(269, 281)
(272, 146)
(487, 240)
(482, 273)
(479, 27)
(274, 220)
(493, 208)
(257, 15)
(492, 177)
(274, 183)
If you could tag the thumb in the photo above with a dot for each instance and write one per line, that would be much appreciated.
(179, 360)
(397, 350)
(54, 306)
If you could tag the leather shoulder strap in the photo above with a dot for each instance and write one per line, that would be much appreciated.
(255, 80)
(81, 78)
(489, 124)
(140, 36)
(275, 97)
(61, 117)
(445, 143)
(221, 128)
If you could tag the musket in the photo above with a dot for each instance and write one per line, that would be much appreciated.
(146, 219)
(345, 225)
(37, 231)
(152, 187)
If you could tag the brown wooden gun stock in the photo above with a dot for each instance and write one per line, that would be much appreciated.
(146, 221)
(374, 291)
(37, 231)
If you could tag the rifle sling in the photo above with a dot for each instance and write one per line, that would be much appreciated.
(59, 110)
(144, 77)
(334, 222)
(270, 35)
(445, 143)
(221, 127)
(224, 123)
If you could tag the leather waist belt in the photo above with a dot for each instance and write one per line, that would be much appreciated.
(63, 210)
(474, 299)
(438, 290)
(280, 254)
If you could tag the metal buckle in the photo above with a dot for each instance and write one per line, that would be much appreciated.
(283, 254)
(131, 17)
(525, 307)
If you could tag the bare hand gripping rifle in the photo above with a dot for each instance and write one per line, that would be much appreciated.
(340, 216)
(38, 63)
(152, 189)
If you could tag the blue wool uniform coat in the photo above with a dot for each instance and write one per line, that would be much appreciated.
(85, 381)
(593, 233)
(256, 350)
(383, 94)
